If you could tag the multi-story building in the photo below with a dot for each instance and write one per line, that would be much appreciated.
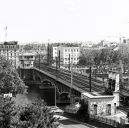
(26, 60)
(10, 51)
(68, 54)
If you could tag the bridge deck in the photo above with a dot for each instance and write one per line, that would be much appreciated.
(80, 82)
(60, 80)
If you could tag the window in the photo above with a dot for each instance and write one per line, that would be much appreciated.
(108, 109)
(65, 50)
(95, 109)
(114, 108)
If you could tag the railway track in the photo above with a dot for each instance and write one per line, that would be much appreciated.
(79, 80)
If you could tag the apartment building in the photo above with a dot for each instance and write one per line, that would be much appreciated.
(69, 54)
(10, 51)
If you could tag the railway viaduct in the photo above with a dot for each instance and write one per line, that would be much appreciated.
(46, 76)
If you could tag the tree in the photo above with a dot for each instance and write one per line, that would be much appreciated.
(104, 56)
(86, 58)
(7, 112)
(37, 115)
(96, 56)
(28, 47)
(82, 112)
(10, 81)
(82, 60)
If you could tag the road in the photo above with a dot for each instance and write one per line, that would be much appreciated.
(69, 123)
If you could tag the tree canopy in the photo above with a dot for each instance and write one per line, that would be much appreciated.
(98, 57)
(37, 115)
(7, 112)
(10, 82)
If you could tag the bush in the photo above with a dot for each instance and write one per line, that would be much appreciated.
(36, 115)
(7, 112)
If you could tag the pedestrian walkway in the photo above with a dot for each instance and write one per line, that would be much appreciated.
(66, 122)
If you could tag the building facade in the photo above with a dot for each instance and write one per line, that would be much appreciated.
(99, 104)
(26, 60)
(68, 55)
(10, 51)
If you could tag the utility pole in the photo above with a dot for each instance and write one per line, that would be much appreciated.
(48, 54)
(50, 59)
(90, 79)
(59, 58)
(71, 97)
(56, 66)
(71, 83)
(56, 81)
(38, 52)
(69, 62)
(39, 60)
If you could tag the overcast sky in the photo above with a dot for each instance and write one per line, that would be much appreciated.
(64, 20)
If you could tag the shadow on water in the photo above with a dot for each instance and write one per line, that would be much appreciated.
(48, 94)
(33, 93)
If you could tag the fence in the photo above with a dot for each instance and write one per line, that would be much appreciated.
(104, 120)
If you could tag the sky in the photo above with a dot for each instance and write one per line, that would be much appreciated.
(64, 20)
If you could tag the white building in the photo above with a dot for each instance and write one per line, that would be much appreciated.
(99, 104)
(10, 50)
(69, 54)
(103, 104)
(26, 60)
(54, 52)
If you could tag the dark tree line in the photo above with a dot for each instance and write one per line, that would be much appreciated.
(103, 56)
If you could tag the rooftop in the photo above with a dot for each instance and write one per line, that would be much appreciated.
(9, 43)
(95, 95)
(27, 54)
